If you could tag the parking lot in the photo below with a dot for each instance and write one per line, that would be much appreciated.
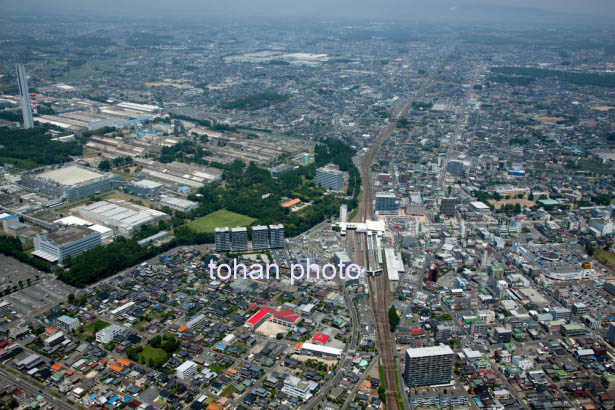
(12, 271)
(44, 294)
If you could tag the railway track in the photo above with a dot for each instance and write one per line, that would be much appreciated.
(378, 284)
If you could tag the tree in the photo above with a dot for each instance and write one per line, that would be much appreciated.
(156, 341)
(104, 165)
(393, 318)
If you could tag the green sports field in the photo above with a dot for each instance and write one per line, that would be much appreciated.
(219, 218)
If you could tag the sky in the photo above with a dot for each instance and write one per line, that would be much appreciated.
(563, 11)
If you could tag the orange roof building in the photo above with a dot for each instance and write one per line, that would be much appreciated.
(56, 367)
(214, 406)
(290, 203)
(116, 368)
(183, 328)
(124, 362)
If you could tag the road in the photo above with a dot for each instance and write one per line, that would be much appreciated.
(349, 349)
(35, 391)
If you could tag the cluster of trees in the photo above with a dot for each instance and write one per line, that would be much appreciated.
(510, 208)
(255, 102)
(518, 141)
(11, 116)
(599, 80)
(393, 318)
(603, 199)
(103, 261)
(35, 145)
(167, 343)
(511, 80)
(106, 165)
(249, 190)
(13, 247)
(185, 151)
(421, 105)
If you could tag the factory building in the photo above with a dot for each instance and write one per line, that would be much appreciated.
(71, 182)
(260, 237)
(223, 239)
(239, 238)
(429, 366)
(145, 187)
(330, 178)
(122, 216)
(66, 242)
(386, 203)
(178, 204)
(276, 236)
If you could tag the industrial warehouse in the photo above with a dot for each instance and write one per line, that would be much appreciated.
(71, 182)
(122, 216)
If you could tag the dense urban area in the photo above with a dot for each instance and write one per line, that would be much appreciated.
(468, 170)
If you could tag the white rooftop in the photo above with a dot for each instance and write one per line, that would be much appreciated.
(429, 351)
(71, 175)
(479, 205)
(185, 366)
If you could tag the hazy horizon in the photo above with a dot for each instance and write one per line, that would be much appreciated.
(546, 11)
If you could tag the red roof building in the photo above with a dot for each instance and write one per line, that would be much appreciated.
(320, 338)
(282, 317)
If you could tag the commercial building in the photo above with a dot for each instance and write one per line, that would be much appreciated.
(239, 238)
(330, 178)
(71, 182)
(478, 206)
(260, 237)
(110, 333)
(223, 239)
(280, 170)
(276, 236)
(609, 286)
(145, 187)
(386, 203)
(65, 242)
(602, 226)
(178, 204)
(447, 206)
(318, 350)
(429, 366)
(561, 313)
(54, 339)
(502, 335)
(5, 308)
(186, 370)
(611, 334)
(24, 95)
(68, 323)
(302, 389)
(122, 216)
(455, 168)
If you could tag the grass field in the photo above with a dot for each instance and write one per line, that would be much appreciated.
(153, 355)
(91, 329)
(608, 258)
(219, 218)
